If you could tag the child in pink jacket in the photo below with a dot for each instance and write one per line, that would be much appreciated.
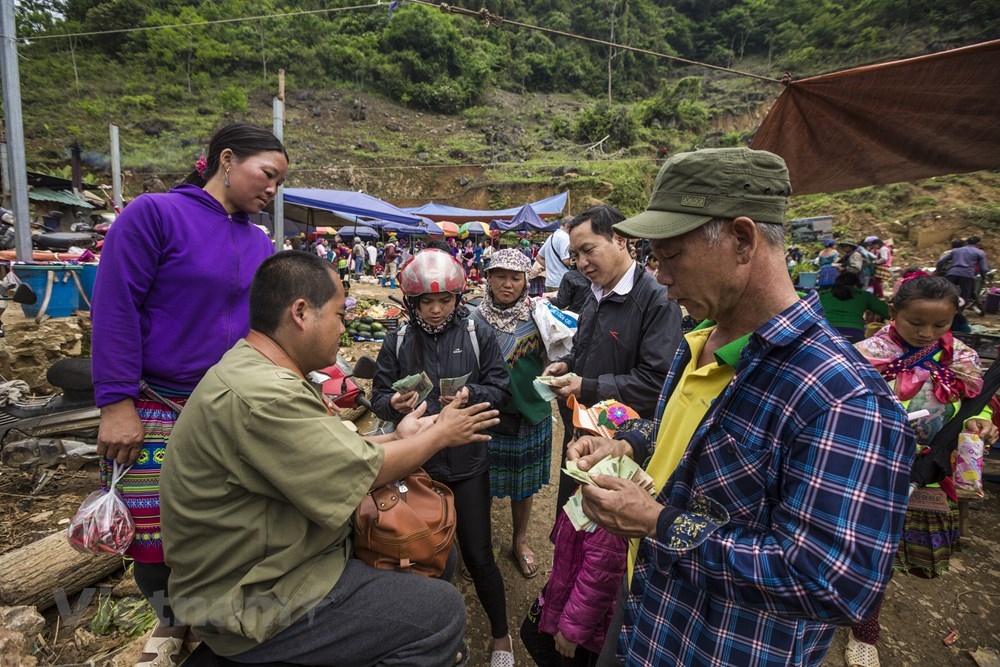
(567, 622)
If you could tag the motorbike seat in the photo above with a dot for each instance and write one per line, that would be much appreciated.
(73, 376)
(63, 240)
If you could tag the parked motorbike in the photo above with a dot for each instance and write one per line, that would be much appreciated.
(336, 382)
(18, 293)
(40, 433)
(42, 239)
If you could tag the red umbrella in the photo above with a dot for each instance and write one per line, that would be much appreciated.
(449, 228)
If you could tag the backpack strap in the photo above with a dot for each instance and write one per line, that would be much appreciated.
(400, 332)
(471, 327)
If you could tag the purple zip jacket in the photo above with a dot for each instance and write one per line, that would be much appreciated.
(172, 291)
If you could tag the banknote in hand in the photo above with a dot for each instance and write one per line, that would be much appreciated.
(574, 510)
(450, 386)
(418, 382)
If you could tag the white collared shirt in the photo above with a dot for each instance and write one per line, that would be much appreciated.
(623, 287)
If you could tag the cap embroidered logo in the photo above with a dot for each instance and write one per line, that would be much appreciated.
(697, 202)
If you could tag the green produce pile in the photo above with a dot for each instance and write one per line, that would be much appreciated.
(370, 319)
(366, 328)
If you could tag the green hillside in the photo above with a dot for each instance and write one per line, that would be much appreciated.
(411, 103)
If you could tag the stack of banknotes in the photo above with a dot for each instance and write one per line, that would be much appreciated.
(622, 467)
(543, 382)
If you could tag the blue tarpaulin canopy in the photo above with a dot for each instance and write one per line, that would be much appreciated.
(404, 230)
(525, 220)
(424, 228)
(360, 231)
(301, 204)
(549, 206)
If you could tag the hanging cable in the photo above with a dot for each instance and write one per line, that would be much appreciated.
(196, 24)
(484, 15)
(494, 21)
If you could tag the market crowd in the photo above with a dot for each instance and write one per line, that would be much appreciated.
(747, 460)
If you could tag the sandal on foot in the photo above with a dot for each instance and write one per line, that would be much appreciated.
(527, 564)
(502, 658)
(160, 652)
(860, 654)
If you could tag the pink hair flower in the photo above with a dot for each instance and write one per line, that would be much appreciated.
(201, 165)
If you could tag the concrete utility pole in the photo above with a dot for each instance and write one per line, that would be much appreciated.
(18, 175)
(279, 132)
(116, 166)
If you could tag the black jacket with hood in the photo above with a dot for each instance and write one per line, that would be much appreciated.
(449, 354)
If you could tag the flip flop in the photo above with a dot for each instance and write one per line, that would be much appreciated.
(527, 564)
(160, 652)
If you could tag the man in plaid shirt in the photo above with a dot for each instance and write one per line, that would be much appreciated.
(781, 457)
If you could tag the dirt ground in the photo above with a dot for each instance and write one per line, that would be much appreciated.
(916, 616)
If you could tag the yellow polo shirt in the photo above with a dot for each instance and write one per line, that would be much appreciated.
(696, 389)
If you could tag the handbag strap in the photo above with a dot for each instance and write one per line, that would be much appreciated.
(277, 356)
(947, 437)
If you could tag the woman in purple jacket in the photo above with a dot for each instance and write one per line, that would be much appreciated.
(171, 298)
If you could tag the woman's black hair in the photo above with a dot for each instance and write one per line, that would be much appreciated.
(844, 285)
(930, 288)
(244, 140)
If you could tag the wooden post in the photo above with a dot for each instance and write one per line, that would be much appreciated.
(33, 574)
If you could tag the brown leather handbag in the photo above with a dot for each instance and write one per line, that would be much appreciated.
(407, 525)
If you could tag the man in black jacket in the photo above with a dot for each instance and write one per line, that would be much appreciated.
(627, 333)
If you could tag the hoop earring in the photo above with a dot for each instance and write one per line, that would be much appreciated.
(225, 178)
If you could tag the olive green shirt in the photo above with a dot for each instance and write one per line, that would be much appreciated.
(257, 492)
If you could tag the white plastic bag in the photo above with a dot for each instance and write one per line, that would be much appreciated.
(968, 473)
(556, 327)
(103, 523)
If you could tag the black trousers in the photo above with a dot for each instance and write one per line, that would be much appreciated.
(541, 646)
(474, 531)
(151, 578)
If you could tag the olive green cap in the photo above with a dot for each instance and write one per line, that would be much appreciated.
(692, 188)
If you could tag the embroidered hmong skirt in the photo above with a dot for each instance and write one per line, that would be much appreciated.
(520, 465)
(928, 540)
(140, 488)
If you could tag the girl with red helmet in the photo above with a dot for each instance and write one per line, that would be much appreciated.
(443, 341)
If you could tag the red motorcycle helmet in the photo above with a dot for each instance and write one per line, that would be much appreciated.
(431, 271)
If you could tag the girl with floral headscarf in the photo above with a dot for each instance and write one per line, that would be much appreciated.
(521, 448)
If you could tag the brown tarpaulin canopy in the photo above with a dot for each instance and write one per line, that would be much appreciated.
(899, 121)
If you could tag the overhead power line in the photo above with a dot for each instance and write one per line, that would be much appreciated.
(484, 15)
(196, 24)
(494, 20)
